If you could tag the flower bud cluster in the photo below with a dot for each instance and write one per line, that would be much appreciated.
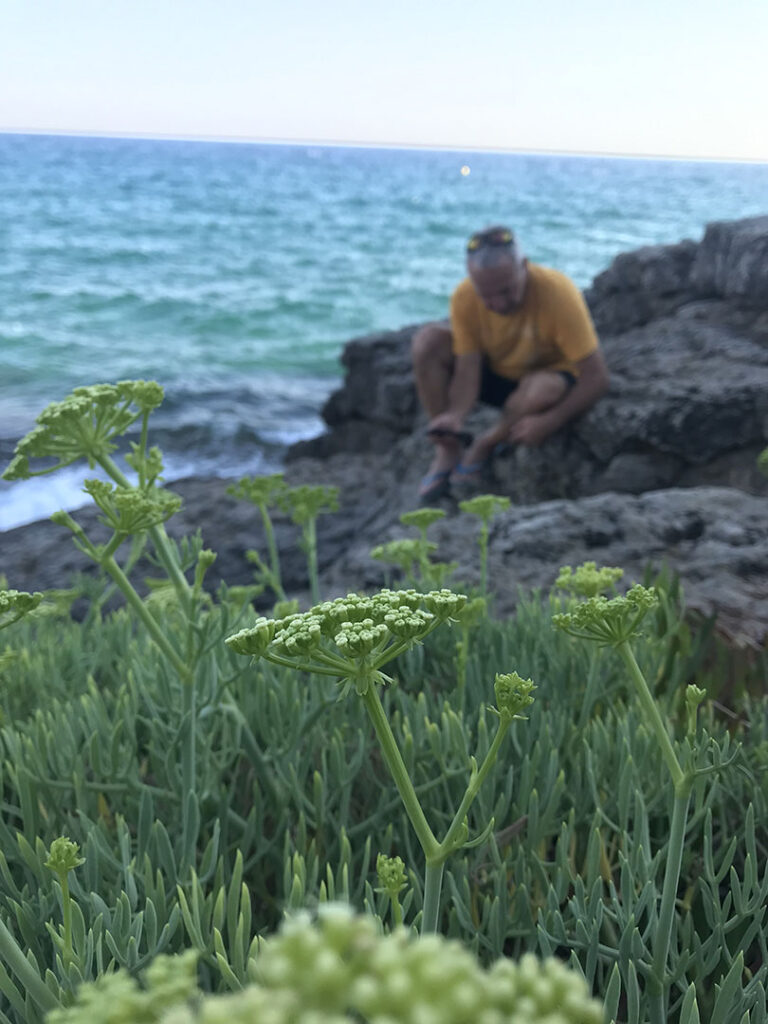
(131, 509)
(391, 873)
(341, 969)
(84, 424)
(608, 623)
(694, 695)
(513, 695)
(259, 490)
(422, 518)
(169, 986)
(307, 502)
(64, 856)
(356, 626)
(14, 604)
(485, 506)
(587, 580)
(404, 553)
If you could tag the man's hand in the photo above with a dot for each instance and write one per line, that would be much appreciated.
(446, 421)
(531, 429)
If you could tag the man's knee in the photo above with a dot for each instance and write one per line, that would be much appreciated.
(537, 392)
(430, 342)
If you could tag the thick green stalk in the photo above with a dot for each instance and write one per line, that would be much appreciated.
(310, 544)
(433, 883)
(484, 559)
(66, 910)
(399, 773)
(652, 714)
(274, 555)
(657, 985)
(143, 448)
(133, 599)
(25, 972)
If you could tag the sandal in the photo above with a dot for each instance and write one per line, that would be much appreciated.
(435, 486)
(472, 478)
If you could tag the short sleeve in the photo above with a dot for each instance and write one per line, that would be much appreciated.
(573, 328)
(465, 327)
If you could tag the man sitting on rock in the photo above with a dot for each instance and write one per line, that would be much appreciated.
(520, 338)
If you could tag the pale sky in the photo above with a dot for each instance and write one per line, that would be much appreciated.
(662, 77)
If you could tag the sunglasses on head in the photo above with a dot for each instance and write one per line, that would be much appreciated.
(492, 237)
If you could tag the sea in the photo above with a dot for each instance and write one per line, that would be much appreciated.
(234, 273)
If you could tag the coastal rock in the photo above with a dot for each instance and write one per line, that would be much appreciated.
(661, 472)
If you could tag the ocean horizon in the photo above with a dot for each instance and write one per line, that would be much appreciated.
(233, 272)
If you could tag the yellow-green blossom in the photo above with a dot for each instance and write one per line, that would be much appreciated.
(15, 604)
(587, 580)
(608, 622)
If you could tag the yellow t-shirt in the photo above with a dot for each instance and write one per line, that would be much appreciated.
(552, 329)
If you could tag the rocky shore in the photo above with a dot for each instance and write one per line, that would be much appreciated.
(661, 472)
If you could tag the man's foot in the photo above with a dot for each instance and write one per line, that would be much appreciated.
(437, 482)
(471, 478)
(435, 486)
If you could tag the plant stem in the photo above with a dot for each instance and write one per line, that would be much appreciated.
(133, 599)
(433, 883)
(66, 910)
(400, 775)
(652, 714)
(475, 782)
(310, 544)
(658, 987)
(274, 555)
(484, 559)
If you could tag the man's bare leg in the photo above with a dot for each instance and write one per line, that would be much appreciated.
(536, 392)
(432, 350)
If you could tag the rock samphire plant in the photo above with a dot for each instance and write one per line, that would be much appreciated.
(341, 969)
(352, 639)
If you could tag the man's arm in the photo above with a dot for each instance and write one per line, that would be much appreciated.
(591, 384)
(463, 392)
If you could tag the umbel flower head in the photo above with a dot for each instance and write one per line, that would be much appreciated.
(587, 580)
(337, 637)
(306, 502)
(259, 490)
(513, 695)
(15, 604)
(422, 518)
(131, 509)
(485, 506)
(405, 553)
(83, 425)
(341, 969)
(608, 623)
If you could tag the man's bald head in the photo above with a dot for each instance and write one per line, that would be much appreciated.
(497, 269)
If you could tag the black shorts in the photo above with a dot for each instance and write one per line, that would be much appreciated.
(495, 389)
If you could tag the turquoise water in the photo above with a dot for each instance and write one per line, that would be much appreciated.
(233, 274)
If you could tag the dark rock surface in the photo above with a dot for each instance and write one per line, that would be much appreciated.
(661, 471)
